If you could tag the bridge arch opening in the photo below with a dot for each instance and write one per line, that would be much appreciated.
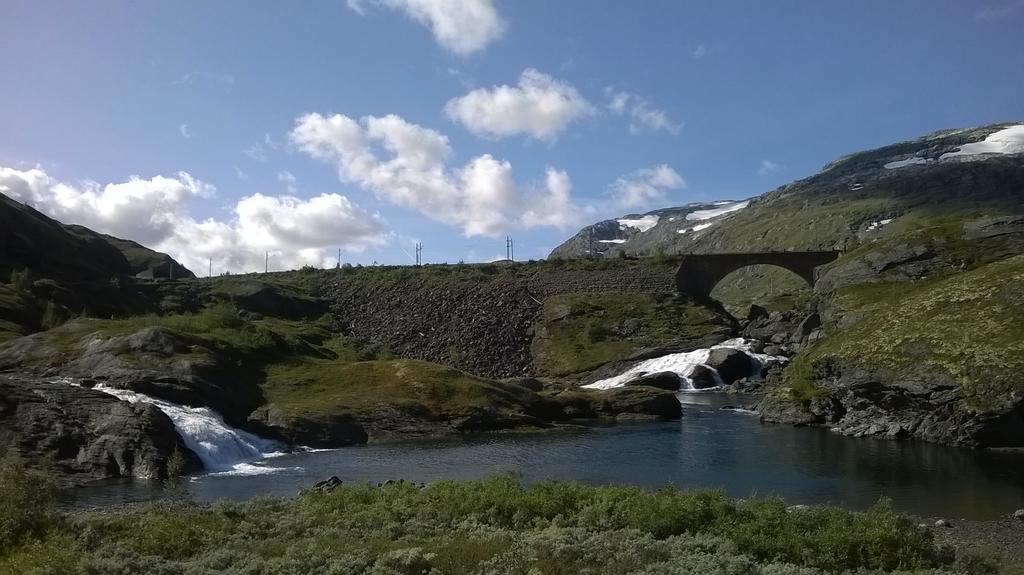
(770, 286)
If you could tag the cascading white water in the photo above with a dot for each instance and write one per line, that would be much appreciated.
(683, 364)
(221, 448)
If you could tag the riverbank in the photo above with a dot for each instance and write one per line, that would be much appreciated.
(494, 526)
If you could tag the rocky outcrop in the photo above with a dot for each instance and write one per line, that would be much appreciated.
(86, 434)
(667, 380)
(867, 403)
(731, 364)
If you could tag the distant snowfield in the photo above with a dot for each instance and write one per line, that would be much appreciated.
(1006, 141)
(612, 241)
(715, 212)
(643, 224)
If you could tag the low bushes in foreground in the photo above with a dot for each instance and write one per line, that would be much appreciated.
(491, 526)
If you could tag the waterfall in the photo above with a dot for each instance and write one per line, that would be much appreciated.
(683, 365)
(223, 450)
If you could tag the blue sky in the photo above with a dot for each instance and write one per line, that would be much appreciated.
(301, 128)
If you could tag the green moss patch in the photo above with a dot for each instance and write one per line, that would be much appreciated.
(579, 332)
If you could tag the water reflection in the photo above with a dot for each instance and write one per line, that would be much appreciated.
(709, 448)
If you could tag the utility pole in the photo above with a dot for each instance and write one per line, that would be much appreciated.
(590, 243)
(266, 262)
(419, 253)
(339, 259)
(510, 250)
(210, 275)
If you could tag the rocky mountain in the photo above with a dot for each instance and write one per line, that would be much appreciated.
(854, 200)
(71, 253)
(660, 231)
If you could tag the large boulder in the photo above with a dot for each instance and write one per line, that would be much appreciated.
(86, 434)
(731, 364)
(639, 402)
(667, 380)
(703, 377)
(325, 430)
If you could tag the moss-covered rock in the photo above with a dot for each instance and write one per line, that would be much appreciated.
(938, 359)
(580, 332)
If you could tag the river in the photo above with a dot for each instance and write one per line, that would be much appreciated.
(710, 448)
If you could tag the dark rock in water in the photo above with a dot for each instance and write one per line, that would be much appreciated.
(328, 430)
(703, 377)
(86, 434)
(640, 401)
(731, 364)
(327, 485)
(668, 380)
(806, 327)
(863, 402)
(635, 401)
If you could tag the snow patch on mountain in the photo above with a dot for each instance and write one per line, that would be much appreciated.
(715, 212)
(1006, 141)
(642, 224)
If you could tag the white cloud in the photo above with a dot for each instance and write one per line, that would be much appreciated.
(289, 180)
(642, 114)
(992, 13)
(242, 174)
(256, 153)
(460, 26)
(185, 133)
(154, 212)
(699, 52)
(539, 106)
(646, 187)
(767, 167)
(191, 78)
(481, 197)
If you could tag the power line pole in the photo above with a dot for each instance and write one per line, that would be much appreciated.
(339, 259)
(512, 249)
(266, 262)
(210, 275)
(419, 253)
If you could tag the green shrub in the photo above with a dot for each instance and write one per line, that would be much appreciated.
(26, 503)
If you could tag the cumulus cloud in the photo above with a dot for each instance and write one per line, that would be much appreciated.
(154, 212)
(539, 106)
(642, 114)
(406, 164)
(462, 27)
(646, 187)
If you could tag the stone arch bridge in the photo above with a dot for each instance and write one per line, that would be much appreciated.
(698, 274)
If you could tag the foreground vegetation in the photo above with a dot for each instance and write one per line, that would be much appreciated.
(490, 526)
